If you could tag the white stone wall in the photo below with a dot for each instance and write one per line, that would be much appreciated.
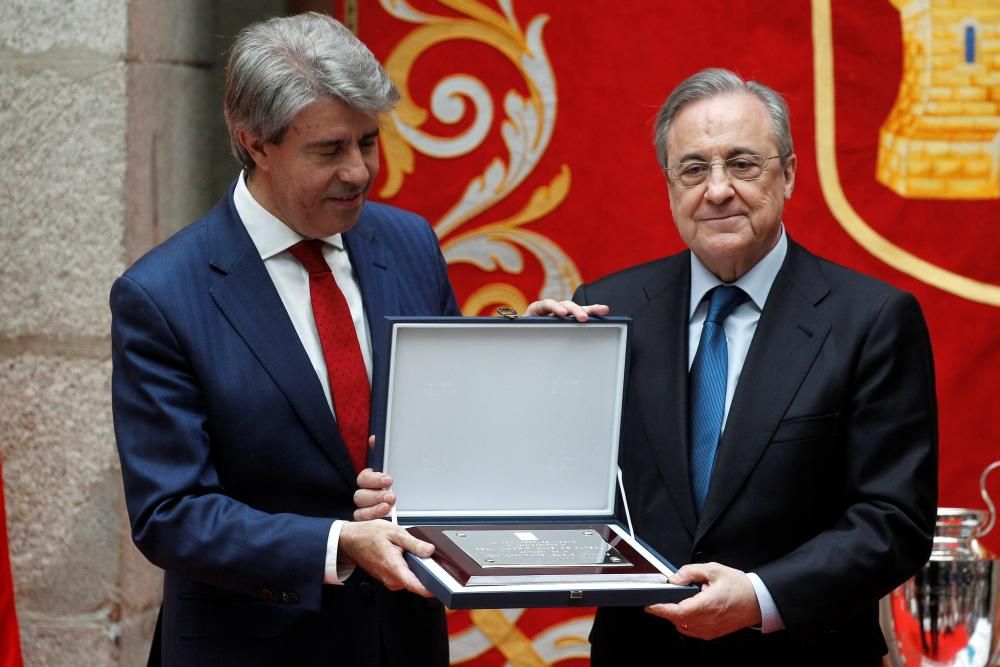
(112, 138)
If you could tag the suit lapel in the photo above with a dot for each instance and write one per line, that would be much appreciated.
(660, 379)
(246, 296)
(789, 335)
(372, 262)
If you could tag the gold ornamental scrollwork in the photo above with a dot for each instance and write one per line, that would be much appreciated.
(526, 132)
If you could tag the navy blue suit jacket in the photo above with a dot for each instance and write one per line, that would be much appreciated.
(233, 464)
(825, 481)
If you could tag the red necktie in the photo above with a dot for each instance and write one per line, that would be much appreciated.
(345, 366)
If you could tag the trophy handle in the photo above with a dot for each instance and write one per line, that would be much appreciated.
(986, 497)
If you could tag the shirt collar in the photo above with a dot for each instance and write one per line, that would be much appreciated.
(756, 282)
(268, 233)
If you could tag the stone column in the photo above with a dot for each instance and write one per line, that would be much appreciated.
(112, 140)
(62, 219)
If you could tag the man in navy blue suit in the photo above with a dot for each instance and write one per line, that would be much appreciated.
(238, 475)
(795, 478)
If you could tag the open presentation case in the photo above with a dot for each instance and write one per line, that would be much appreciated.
(502, 438)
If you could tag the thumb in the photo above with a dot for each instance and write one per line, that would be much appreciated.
(689, 574)
(413, 545)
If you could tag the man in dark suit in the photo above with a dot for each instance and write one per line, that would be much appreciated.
(241, 421)
(815, 492)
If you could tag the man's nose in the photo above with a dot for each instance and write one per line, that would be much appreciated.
(354, 169)
(718, 185)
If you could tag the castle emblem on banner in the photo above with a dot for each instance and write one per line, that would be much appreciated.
(942, 138)
(938, 148)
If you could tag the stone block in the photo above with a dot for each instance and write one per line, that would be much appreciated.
(57, 643)
(182, 31)
(943, 92)
(941, 108)
(940, 78)
(971, 93)
(972, 188)
(925, 186)
(136, 637)
(35, 26)
(62, 482)
(141, 581)
(990, 123)
(918, 167)
(977, 167)
(178, 162)
(946, 167)
(62, 199)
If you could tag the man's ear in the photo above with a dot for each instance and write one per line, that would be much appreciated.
(790, 163)
(253, 145)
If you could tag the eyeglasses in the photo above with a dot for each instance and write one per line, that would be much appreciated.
(744, 167)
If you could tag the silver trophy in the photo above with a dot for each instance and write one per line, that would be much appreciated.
(947, 614)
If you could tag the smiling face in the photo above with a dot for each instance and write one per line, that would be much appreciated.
(316, 179)
(729, 224)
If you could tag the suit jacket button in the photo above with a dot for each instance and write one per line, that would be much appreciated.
(293, 598)
(267, 594)
(699, 557)
(285, 597)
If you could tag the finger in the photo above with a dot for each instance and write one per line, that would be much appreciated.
(690, 574)
(667, 611)
(413, 545)
(597, 309)
(408, 580)
(368, 497)
(546, 307)
(374, 512)
(412, 584)
(371, 442)
(369, 479)
(576, 311)
(365, 498)
(683, 620)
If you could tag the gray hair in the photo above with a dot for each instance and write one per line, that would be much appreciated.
(714, 82)
(278, 67)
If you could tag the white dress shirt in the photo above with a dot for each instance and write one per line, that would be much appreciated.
(273, 238)
(740, 327)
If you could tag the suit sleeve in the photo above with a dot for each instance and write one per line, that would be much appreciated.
(182, 519)
(884, 532)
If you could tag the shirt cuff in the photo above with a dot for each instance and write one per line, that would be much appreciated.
(770, 617)
(335, 573)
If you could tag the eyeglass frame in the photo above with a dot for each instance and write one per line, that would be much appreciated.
(725, 168)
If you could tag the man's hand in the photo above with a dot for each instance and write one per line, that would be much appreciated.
(565, 309)
(374, 497)
(377, 548)
(726, 603)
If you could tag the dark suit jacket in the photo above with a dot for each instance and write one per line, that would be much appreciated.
(232, 461)
(825, 481)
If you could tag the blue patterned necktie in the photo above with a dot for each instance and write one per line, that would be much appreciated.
(709, 373)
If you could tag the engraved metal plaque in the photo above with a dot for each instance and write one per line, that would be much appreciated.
(537, 548)
(490, 555)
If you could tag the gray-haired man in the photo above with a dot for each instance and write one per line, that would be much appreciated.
(780, 436)
(243, 349)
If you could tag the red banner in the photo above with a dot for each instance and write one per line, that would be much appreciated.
(524, 136)
(10, 643)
